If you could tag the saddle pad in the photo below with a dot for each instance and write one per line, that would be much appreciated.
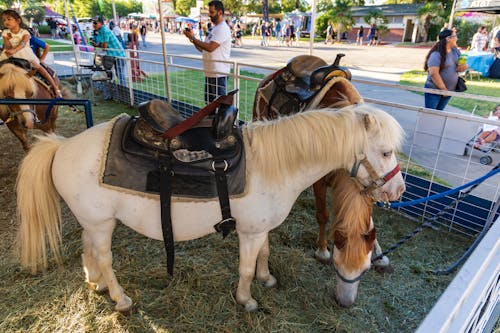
(139, 175)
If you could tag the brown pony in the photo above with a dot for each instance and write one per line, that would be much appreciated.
(352, 231)
(16, 82)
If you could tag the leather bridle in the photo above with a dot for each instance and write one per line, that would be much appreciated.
(376, 181)
(346, 280)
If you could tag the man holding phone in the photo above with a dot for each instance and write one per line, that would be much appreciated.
(215, 49)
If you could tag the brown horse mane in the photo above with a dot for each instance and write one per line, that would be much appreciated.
(351, 222)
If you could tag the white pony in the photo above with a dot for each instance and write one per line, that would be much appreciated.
(283, 157)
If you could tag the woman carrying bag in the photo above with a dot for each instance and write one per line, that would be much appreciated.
(442, 64)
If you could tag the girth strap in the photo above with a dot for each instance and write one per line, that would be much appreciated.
(166, 214)
(228, 223)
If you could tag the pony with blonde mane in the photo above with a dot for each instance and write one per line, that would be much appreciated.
(16, 83)
(351, 207)
(283, 157)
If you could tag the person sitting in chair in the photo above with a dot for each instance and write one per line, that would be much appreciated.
(489, 136)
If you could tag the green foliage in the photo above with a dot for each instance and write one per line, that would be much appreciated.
(236, 7)
(465, 31)
(85, 8)
(183, 7)
(376, 16)
(339, 15)
(34, 12)
(290, 5)
(432, 13)
(255, 6)
(44, 29)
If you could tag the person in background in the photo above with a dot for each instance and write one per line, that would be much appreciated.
(16, 38)
(263, 33)
(53, 28)
(200, 30)
(144, 31)
(442, 65)
(115, 29)
(329, 33)
(76, 36)
(489, 136)
(105, 39)
(38, 46)
(359, 38)
(372, 35)
(479, 40)
(215, 48)
(237, 35)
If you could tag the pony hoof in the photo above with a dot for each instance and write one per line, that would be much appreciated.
(124, 306)
(251, 305)
(323, 257)
(270, 282)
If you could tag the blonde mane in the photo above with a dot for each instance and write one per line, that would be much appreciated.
(13, 77)
(281, 147)
(352, 221)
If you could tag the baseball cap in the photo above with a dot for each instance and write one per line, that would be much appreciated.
(98, 19)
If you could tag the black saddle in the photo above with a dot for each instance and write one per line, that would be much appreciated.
(308, 74)
(216, 137)
(22, 63)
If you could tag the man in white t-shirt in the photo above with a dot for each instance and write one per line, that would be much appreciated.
(215, 48)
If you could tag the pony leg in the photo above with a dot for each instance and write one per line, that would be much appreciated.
(322, 254)
(263, 274)
(250, 245)
(382, 265)
(20, 132)
(93, 275)
(101, 246)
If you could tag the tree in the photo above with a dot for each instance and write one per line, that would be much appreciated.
(431, 12)
(341, 17)
(375, 16)
(183, 7)
(291, 5)
(35, 13)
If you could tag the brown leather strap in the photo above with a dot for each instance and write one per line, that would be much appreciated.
(198, 116)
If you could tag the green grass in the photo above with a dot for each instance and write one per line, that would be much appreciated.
(155, 84)
(483, 86)
(58, 46)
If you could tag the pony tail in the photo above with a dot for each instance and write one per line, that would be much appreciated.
(38, 206)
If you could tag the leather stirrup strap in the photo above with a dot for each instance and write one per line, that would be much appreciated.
(228, 223)
(166, 216)
(198, 116)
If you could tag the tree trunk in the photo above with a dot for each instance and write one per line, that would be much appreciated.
(265, 10)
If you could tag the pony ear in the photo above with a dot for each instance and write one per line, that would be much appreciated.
(369, 121)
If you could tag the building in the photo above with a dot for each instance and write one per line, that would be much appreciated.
(403, 22)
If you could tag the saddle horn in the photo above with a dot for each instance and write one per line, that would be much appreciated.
(339, 56)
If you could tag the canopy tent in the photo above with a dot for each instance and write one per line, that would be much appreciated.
(142, 15)
(49, 13)
(185, 20)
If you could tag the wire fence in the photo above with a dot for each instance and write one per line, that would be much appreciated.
(438, 152)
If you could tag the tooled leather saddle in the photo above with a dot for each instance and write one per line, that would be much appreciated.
(204, 159)
(290, 89)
